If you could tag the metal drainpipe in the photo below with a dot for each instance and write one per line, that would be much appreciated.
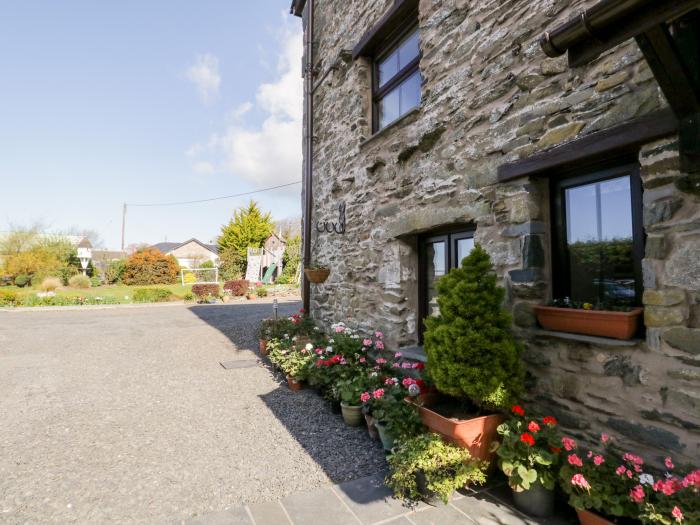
(308, 136)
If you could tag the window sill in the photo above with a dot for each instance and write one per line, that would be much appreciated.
(591, 339)
(392, 125)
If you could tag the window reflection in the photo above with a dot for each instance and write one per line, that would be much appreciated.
(600, 242)
(435, 258)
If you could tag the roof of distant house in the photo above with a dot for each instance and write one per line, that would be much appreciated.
(167, 247)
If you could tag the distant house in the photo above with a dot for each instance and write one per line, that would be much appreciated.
(190, 254)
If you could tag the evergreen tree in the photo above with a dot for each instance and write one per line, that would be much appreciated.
(471, 350)
(249, 227)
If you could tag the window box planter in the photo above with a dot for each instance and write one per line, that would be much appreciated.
(476, 434)
(603, 323)
(317, 275)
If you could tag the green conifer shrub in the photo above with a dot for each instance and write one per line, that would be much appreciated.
(471, 350)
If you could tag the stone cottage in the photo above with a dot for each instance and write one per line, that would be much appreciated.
(536, 128)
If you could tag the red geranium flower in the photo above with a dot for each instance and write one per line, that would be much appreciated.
(527, 438)
(518, 410)
(555, 450)
(420, 366)
(549, 420)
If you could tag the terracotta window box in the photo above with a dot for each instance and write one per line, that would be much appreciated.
(602, 323)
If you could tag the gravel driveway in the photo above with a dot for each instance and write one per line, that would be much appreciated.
(125, 416)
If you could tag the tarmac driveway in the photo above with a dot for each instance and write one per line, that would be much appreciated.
(125, 415)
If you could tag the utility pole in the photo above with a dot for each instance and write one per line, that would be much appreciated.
(123, 225)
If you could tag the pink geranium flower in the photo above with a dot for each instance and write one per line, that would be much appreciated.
(397, 355)
(364, 397)
(620, 471)
(378, 335)
(378, 393)
(367, 342)
(569, 444)
(579, 481)
(379, 345)
(575, 460)
(637, 494)
(381, 360)
(598, 460)
(669, 463)
(676, 513)
(604, 438)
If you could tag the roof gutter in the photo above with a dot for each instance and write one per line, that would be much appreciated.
(609, 23)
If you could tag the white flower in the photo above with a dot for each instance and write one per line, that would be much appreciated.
(316, 328)
(646, 479)
(329, 349)
(331, 340)
(309, 346)
(413, 390)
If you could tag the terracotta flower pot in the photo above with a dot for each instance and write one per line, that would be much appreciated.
(352, 415)
(602, 323)
(263, 346)
(317, 275)
(294, 384)
(475, 434)
(586, 517)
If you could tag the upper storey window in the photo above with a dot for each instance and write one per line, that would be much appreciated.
(397, 80)
(393, 46)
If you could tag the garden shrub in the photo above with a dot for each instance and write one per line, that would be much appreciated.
(79, 281)
(22, 280)
(445, 468)
(207, 264)
(261, 291)
(290, 261)
(237, 287)
(204, 291)
(150, 266)
(50, 284)
(189, 296)
(152, 295)
(115, 271)
(231, 264)
(190, 278)
(9, 298)
(470, 347)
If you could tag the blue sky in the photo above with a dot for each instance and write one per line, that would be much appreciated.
(147, 101)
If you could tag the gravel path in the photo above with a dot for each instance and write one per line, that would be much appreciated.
(126, 416)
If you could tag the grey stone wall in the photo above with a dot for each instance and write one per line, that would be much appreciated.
(490, 96)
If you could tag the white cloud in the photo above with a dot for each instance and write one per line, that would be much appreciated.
(268, 153)
(204, 74)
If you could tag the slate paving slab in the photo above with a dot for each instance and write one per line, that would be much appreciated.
(270, 513)
(370, 499)
(319, 507)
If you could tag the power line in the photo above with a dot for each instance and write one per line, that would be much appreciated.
(214, 198)
(126, 204)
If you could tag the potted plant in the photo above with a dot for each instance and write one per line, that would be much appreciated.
(316, 274)
(618, 322)
(393, 418)
(472, 357)
(265, 333)
(293, 362)
(426, 467)
(599, 486)
(529, 456)
(349, 392)
(670, 498)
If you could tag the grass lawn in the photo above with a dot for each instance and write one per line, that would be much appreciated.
(113, 290)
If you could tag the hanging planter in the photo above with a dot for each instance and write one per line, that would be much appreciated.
(317, 275)
(601, 323)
